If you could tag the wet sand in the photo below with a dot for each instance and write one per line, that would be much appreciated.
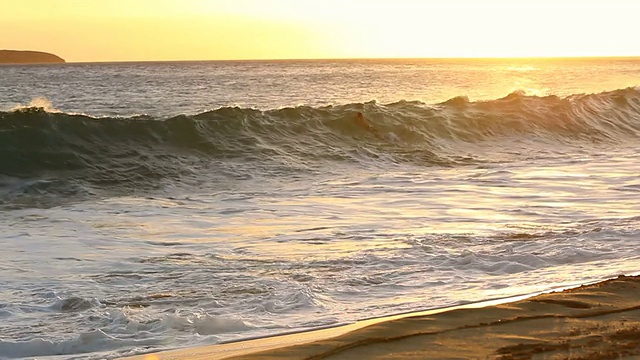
(597, 321)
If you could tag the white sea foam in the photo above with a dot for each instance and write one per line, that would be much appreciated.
(37, 102)
(90, 342)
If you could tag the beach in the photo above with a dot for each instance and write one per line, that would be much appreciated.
(596, 321)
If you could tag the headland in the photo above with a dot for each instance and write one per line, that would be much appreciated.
(28, 57)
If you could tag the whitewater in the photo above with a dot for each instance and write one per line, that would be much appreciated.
(151, 206)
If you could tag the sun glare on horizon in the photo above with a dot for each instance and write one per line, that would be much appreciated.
(99, 30)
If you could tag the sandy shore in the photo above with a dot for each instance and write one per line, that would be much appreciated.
(599, 321)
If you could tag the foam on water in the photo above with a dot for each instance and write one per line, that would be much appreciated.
(310, 257)
(92, 342)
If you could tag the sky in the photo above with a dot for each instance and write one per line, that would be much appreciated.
(156, 30)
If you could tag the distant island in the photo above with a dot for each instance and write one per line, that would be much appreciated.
(28, 57)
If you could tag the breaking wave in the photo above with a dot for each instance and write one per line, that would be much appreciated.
(39, 144)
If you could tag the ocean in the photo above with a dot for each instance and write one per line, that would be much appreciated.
(151, 206)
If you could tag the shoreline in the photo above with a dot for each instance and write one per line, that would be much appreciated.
(394, 335)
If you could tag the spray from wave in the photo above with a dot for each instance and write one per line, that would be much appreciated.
(43, 145)
(38, 103)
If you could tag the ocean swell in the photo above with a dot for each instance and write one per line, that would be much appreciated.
(112, 151)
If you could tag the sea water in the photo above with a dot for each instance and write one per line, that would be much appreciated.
(149, 206)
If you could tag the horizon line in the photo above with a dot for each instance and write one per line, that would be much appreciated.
(618, 57)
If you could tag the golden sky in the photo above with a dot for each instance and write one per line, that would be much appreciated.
(131, 30)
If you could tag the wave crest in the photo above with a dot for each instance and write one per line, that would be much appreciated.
(105, 151)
